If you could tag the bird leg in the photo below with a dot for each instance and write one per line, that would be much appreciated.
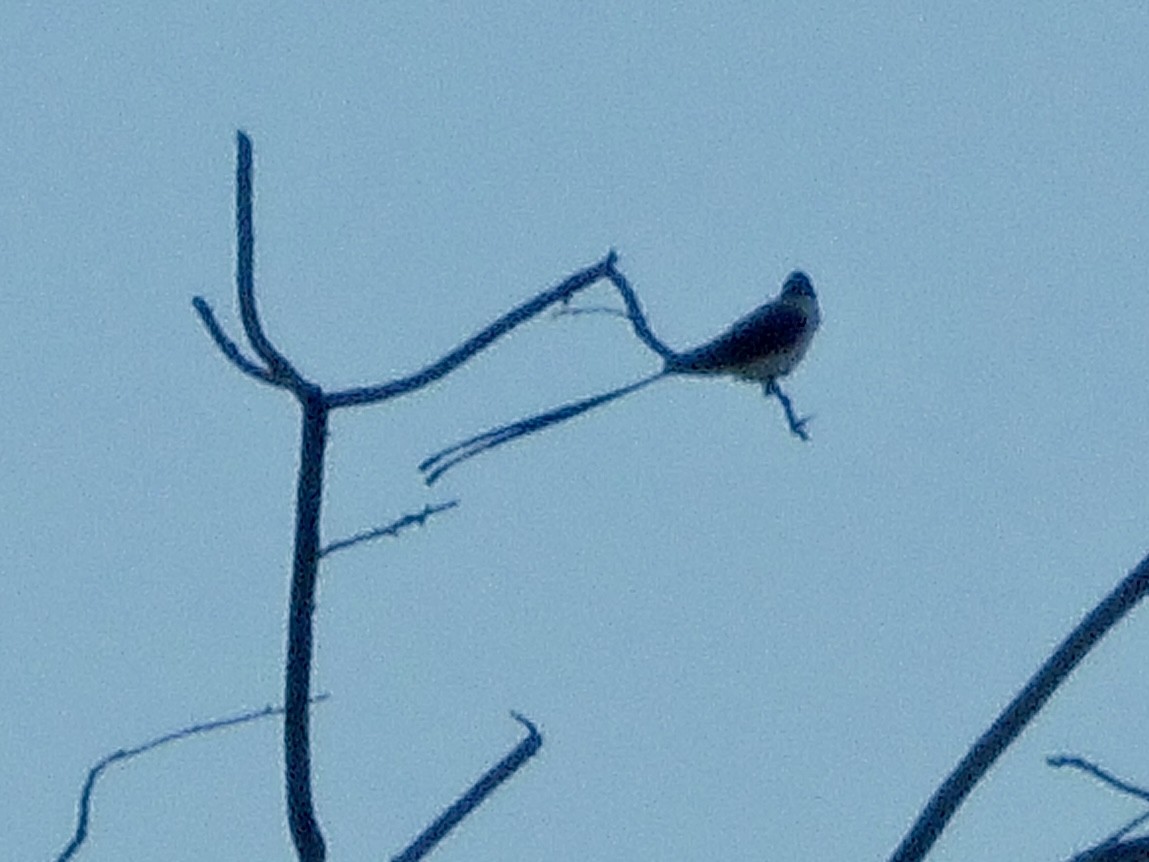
(797, 425)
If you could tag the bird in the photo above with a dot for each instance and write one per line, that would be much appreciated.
(765, 345)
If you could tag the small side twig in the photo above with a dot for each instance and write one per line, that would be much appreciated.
(392, 529)
(478, 791)
(1102, 775)
(228, 347)
(634, 314)
(272, 367)
(1112, 844)
(85, 807)
(570, 311)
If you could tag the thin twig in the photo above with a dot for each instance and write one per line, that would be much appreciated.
(1100, 774)
(443, 460)
(228, 347)
(478, 791)
(589, 309)
(1105, 777)
(392, 529)
(85, 807)
(1021, 710)
(634, 314)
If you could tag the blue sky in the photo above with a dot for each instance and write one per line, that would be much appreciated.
(736, 645)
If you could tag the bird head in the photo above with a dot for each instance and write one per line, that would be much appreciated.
(798, 284)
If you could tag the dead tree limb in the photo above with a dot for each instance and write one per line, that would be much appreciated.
(84, 811)
(272, 367)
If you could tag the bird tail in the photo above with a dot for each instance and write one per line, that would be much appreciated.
(439, 463)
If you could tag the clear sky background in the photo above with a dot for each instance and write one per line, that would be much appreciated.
(737, 646)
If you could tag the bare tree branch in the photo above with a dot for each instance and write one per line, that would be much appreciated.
(1112, 847)
(228, 347)
(301, 817)
(276, 363)
(1100, 774)
(445, 459)
(480, 790)
(392, 529)
(1028, 702)
(634, 314)
(85, 807)
(477, 342)
(316, 406)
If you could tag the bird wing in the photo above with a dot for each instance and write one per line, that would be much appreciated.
(773, 328)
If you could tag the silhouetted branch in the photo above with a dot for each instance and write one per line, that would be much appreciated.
(85, 807)
(479, 791)
(482, 339)
(228, 347)
(416, 519)
(1028, 702)
(1100, 774)
(305, 831)
(634, 314)
(445, 459)
(590, 309)
(316, 406)
(276, 363)
(1112, 847)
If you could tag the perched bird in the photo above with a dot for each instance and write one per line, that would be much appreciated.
(763, 346)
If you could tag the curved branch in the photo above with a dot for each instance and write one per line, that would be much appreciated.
(635, 316)
(277, 364)
(443, 460)
(1102, 775)
(1028, 702)
(228, 347)
(480, 790)
(484, 338)
(85, 808)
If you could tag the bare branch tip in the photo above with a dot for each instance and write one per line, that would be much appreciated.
(526, 722)
(206, 315)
